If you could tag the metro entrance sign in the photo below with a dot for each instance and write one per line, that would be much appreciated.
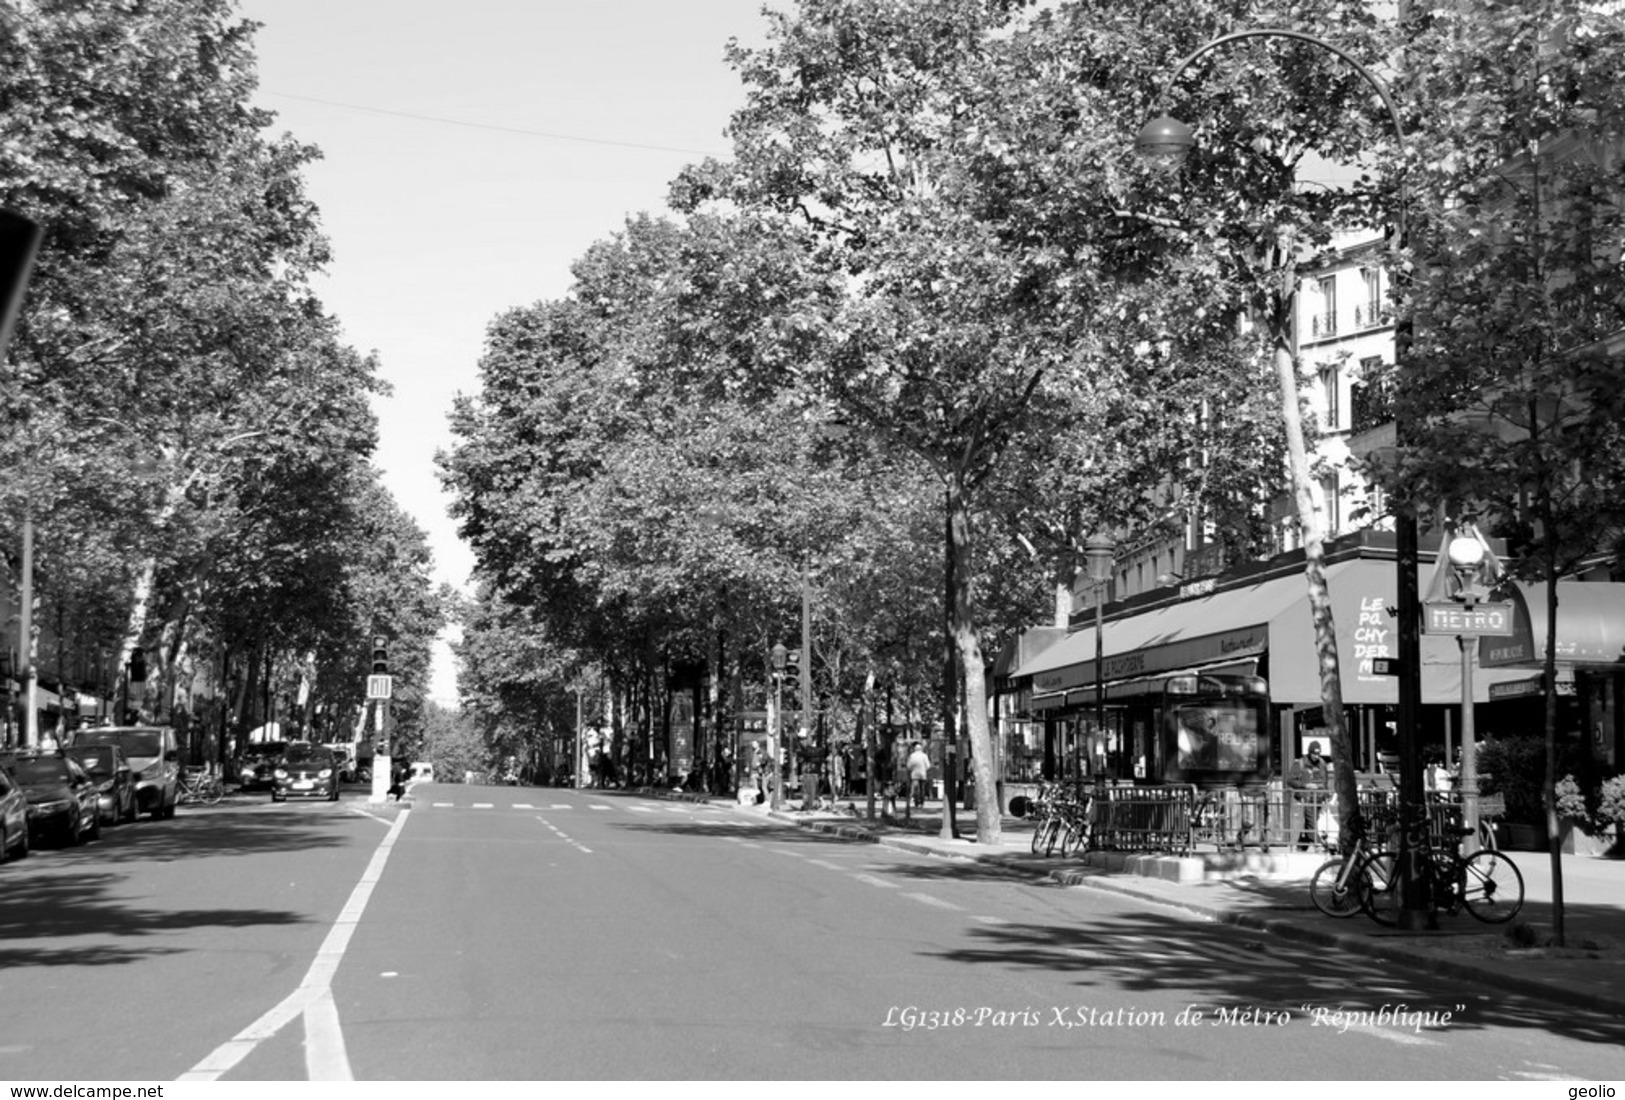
(1493, 619)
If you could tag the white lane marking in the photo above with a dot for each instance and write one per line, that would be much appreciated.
(826, 864)
(990, 920)
(523, 806)
(368, 813)
(641, 809)
(562, 835)
(927, 899)
(442, 805)
(874, 880)
(598, 806)
(325, 1056)
(482, 806)
(561, 806)
(317, 980)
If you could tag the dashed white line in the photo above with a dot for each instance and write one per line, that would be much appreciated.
(482, 806)
(875, 880)
(927, 899)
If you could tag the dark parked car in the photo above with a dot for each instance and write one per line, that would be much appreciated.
(153, 758)
(63, 802)
(115, 780)
(306, 771)
(13, 817)
(257, 762)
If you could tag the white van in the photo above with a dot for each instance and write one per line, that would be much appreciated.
(422, 772)
(154, 759)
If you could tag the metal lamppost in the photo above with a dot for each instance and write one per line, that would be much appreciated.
(1099, 555)
(1168, 140)
(781, 657)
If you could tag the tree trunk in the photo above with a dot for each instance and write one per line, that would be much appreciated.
(963, 620)
(1314, 558)
(1548, 794)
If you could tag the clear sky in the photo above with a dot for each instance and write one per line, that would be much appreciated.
(471, 152)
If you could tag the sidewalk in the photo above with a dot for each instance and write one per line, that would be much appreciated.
(1271, 894)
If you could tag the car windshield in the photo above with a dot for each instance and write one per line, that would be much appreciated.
(97, 760)
(265, 750)
(305, 754)
(42, 769)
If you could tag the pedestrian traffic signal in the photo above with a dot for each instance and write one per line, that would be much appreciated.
(380, 656)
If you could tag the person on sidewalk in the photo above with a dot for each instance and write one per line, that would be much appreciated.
(919, 774)
(1306, 779)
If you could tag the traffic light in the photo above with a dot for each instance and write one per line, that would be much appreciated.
(380, 656)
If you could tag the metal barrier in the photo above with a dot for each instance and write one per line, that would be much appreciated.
(1143, 819)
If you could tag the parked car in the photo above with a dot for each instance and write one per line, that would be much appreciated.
(115, 780)
(305, 771)
(63, 802)
(153, 758)
(256, 763)
(13, 817)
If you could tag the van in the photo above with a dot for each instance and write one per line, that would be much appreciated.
(422, 772)
(153, 756)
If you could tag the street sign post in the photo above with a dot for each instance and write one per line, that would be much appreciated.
(380, 687)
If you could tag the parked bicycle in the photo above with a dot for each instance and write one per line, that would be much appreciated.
(1486, 883)
(1061, 820)
(1340, 887)
(199, 785)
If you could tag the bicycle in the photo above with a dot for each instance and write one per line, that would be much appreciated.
(1340, 886)
(200, 786)
(1062, 821)
(1486, 883)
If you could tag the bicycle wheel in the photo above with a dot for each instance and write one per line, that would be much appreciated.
(1052, 836)
(1492, 887)
(1038, 835)
(1075, 839)
(1338, 898)
(212, 792)
(1381, 898)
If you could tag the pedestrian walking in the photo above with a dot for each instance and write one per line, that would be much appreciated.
(919, 774)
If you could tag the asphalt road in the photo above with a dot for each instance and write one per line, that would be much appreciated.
(538, 934)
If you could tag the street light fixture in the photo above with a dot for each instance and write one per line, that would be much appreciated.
(1167, 140)
(1099, 556)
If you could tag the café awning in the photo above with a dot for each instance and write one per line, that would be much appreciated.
(1269, 618)
(1590, 628)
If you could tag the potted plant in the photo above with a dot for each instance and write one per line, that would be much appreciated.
(1578, 834)
(1610, 813)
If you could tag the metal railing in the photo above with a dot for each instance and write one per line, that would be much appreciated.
(1178, 819)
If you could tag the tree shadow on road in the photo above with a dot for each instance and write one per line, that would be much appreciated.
(84, 891)
(1217, 965)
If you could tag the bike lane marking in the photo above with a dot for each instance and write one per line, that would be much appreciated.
(324, 1041)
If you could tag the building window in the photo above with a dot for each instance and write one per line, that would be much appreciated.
(1334, 510)
(1324, 323)
(1331, 380)
(1369, 313)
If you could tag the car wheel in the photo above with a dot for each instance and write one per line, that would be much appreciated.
(75, 832)
(95, 830)
(19, 850)
(276, 797)
(130, 815)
